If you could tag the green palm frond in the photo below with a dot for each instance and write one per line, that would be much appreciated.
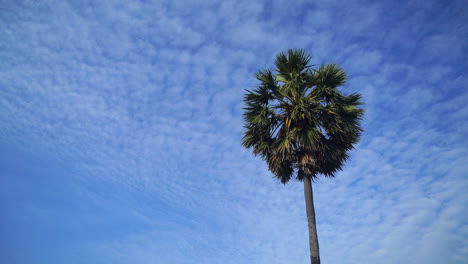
(330, 75)
(327, 78)
(298, 121)
(292, 62)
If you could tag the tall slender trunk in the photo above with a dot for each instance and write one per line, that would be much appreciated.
(313, 240)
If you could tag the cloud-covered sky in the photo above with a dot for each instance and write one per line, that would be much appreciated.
(120, 128)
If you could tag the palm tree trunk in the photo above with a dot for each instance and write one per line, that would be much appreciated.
(313, 240)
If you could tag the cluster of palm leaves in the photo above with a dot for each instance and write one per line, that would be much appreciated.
(298, 121)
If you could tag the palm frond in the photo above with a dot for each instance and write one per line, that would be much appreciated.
(291, 63)
(298, 120)
(330, 75)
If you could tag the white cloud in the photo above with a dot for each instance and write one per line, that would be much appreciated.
(146, 99)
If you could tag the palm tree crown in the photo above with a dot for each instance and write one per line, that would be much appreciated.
(298, 121)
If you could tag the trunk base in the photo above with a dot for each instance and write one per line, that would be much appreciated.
(314, 260)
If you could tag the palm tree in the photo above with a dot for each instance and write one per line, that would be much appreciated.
(301, 124)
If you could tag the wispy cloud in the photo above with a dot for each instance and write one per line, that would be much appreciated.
(139, 104)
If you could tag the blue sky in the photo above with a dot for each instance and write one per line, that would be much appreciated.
(121, 126)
